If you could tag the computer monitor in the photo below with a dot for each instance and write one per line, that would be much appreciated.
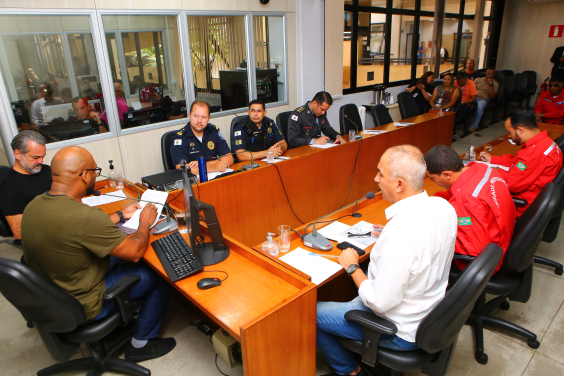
(208, 253)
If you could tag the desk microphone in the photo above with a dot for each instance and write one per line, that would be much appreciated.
(124, 182)
(245, 167)
(357, 136)
(318, 241)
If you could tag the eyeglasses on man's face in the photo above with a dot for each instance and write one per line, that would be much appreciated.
(98, 171)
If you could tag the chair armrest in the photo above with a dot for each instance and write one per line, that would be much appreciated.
(373, 327)
(120, 292)
(466, 258)
(519, 201)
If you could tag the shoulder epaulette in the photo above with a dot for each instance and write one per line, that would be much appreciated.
(300, 109)
(181, 132)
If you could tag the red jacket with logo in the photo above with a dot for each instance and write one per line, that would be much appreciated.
(485, 210)
(536, 164)
(552, 108)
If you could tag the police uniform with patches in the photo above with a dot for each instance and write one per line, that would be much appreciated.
(246, 135)
(304, 126)
(186, 145)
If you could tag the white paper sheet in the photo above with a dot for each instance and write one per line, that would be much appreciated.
(402, 124)
(276, 160)
(373, 132)
(104, 199)
(494, 165)
(149, 195)
(137, 105)
(318, 268)
(337, 231)
(213, 175)
(326, 146)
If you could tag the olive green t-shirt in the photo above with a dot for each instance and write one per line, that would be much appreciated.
(68, 243)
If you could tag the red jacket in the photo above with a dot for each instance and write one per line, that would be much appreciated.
(485, 210)
(536, 164)
(552, 108)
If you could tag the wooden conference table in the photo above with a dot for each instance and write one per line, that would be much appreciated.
(265, 304)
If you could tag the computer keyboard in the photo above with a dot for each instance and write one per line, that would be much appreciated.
(176, 256)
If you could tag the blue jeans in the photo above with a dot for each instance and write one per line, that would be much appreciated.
(152, 287)
(331, 324)
(481, 107)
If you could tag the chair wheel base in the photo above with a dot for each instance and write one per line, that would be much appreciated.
(533, 344)
(482, 358)
(505, 306)
(559, 271)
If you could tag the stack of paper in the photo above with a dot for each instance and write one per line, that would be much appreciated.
(157, 197)
(277, 159)
(402, 124)
(318, 268)
(338, 232)
(372, 131)
(104, 199)
(213, 175)
(326, 146)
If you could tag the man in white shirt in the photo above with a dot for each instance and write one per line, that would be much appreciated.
(409, 265)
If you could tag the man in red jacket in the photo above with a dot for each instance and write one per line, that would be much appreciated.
(536, 164)
(479, 195)
(550, 106)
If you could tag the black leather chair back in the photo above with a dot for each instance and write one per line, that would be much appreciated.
(500, 91)
(560, 142)
(531, 81)
(5, 230)
(529, 229)
(166, 141)
(520, 84)
(509, 82)
(349, 118)
(381, 115)
(282, 123)
(498, 76)
(407, 106)
(508, 72)
(441, 326)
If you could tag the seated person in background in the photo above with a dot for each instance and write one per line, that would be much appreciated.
(47, 99)
(469, 93)
(80, 249)
(422, 89)
(257, 134)
(486, 88)
(308, 121)
(470, 72)
(445, 95)
(66, 95)
(550, 106)
(200, 138)
(536, 164)
(478, 193)
(121, 104)
(409, 265)
(28, 178)
(83, 110)
(178, 110)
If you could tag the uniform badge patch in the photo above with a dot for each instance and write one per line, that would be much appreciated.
(177, 142)
(294, 117)
(269, 130)
(191, 144)
(238, 142)
(464, 221)
(237, 133)
(211, 145)
(521, 166)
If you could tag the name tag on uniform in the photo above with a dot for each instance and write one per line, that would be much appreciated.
(177, 142)
(416, 94)
(294, 117)
(238, 133)
(440, 100)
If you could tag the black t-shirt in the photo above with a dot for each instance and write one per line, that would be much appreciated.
(18, 190)
(472, 76)
(417, 95)
(179, 108)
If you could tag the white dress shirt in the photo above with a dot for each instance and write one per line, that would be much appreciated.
(410, 263)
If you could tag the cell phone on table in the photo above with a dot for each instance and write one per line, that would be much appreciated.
(345, 245)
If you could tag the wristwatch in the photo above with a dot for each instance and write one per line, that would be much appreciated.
(352, 268)
(121, 217)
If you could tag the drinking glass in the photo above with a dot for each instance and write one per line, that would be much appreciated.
(181, 221)
(119, 178)
(284, 238)
(270, 156)
(352, 135)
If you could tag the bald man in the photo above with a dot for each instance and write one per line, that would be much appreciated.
(471, 72)
(81, 250)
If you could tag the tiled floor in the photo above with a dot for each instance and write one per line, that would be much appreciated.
(23, 353)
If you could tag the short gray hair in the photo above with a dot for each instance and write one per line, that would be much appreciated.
(21, 141)
(407, 162)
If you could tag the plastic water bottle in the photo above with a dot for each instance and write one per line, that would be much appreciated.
(270, 246)
(112, 175)
(471, 154)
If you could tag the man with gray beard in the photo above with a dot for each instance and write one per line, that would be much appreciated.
(28, 178)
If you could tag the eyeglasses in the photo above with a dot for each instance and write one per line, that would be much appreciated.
(97, 169)
(358, 233)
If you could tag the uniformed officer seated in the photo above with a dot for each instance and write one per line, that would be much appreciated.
(308, 121)
(550, 106)
(257, 134)
(199, 138)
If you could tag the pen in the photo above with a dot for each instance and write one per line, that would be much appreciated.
(317, 254)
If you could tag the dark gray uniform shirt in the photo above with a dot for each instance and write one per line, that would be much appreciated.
(303, 126)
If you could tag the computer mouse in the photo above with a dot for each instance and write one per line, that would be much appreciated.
(208, 283)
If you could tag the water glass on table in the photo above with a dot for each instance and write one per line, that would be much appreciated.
(181, 221)
(119, 180)
(270, 156)
(352, 135)
(284, 238)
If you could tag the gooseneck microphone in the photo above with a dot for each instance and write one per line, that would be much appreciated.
(357, 136)
(318, 241)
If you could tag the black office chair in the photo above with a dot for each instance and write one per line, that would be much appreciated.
(437, 334)
(166, 141)
(515, 278)
(59, 318)
(349, 118)
(507, 94)
(531, 84)
(508, 73)
(498, 76)
(520, 91)
(381, 115)
(233, 122)
(407, 105)
(282, 122)
(495, 102)
(5, 230)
